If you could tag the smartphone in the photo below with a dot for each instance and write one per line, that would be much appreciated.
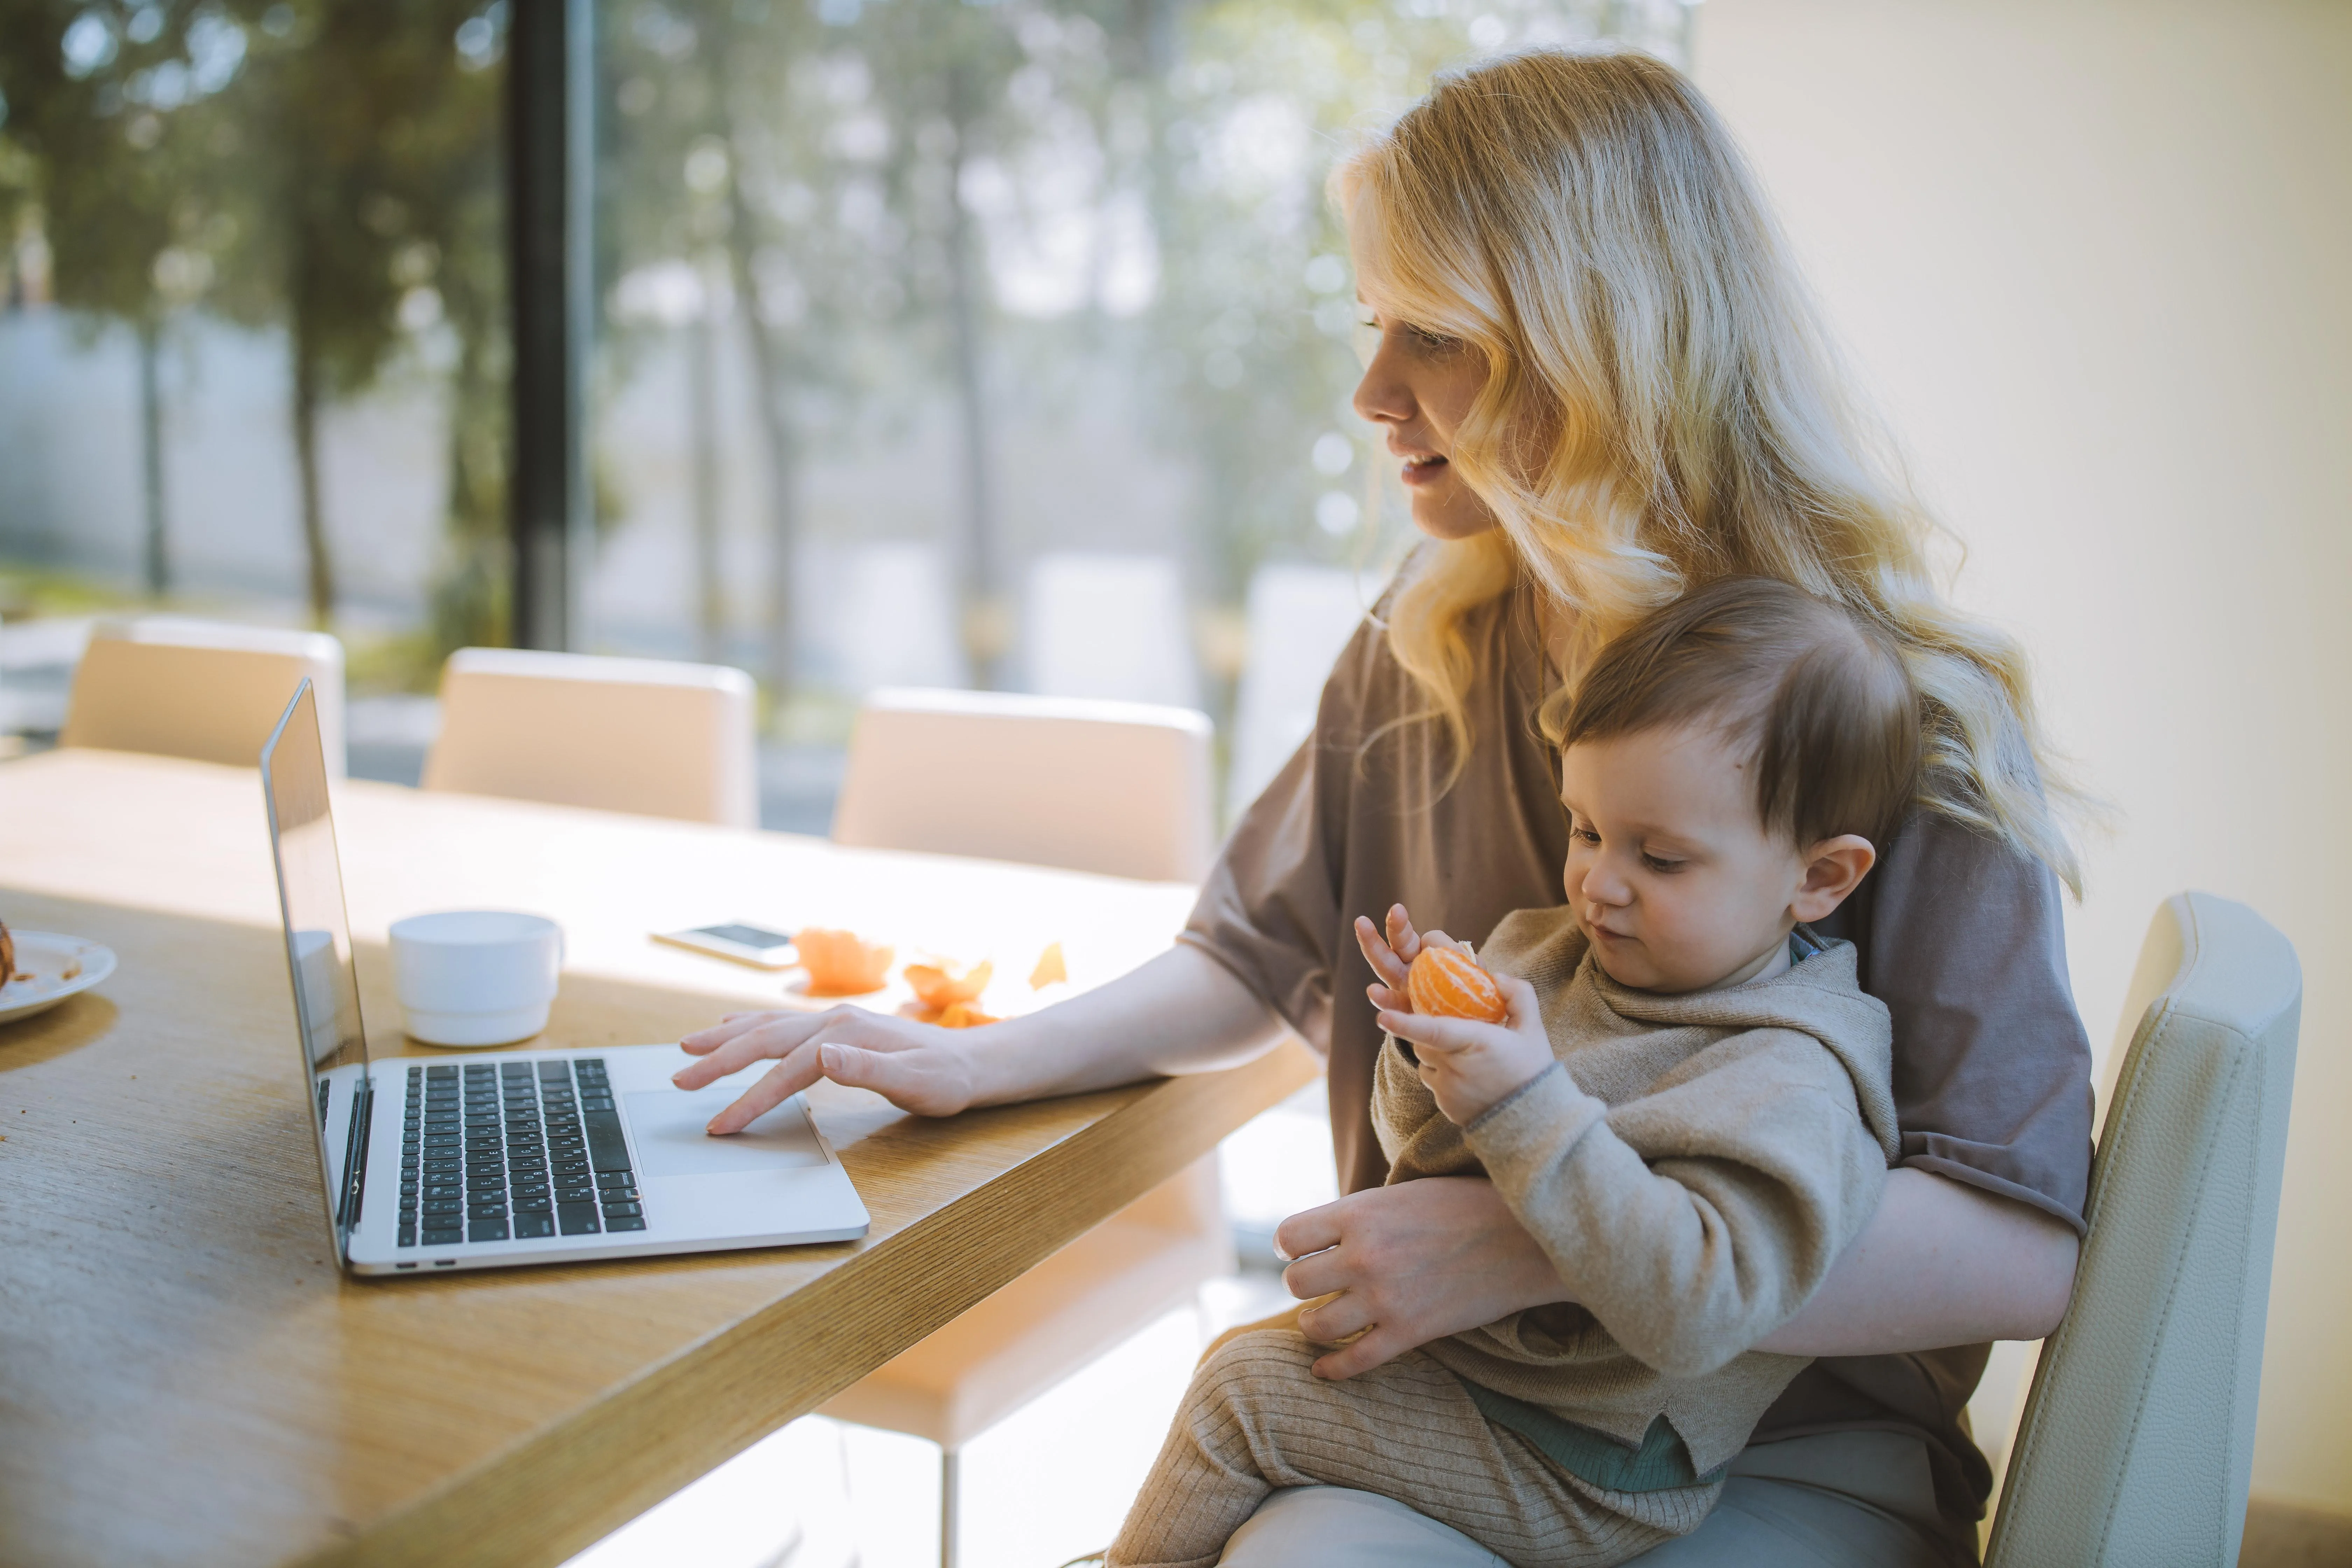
(740, 940)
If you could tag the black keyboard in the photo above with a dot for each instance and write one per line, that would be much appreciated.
(498, 1150)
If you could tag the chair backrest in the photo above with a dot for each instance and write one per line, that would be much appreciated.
(1300, 618)
(2137, 1442)
(1109, 627)
(1121, 788)
(210, 690)
(640, 735)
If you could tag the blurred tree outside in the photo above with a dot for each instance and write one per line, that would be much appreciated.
(1015, 216)
(327, 166)
(1015, 206)
(119, 144)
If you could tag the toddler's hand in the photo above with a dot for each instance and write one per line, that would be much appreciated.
(1469, 1065)
(1390, 959)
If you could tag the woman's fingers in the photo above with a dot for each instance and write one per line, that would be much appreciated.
(731, 1047)
(795, 1073)
(1310, 1231)
(1320, 1274)
(1377, 1346)
(1335, 1318)
(916, 1067)
(704, 1041)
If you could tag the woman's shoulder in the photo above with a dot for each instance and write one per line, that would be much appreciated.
(1942, 869)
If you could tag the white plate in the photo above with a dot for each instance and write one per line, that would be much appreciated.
(60, 967)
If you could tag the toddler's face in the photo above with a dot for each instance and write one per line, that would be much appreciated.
(1673, 878)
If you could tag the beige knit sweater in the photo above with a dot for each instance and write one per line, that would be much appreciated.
(1692, 1166)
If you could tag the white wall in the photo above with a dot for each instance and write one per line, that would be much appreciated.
(2095, 258)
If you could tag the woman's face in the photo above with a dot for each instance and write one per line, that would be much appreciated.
(1418, 387)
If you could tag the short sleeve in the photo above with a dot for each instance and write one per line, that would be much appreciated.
(1961, 936)
(1270, 905)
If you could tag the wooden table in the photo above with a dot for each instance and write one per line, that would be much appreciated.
(185, 1377)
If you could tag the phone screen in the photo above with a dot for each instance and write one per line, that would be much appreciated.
(743, 935)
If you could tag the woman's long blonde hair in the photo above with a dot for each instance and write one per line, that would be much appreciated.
(1661, 407)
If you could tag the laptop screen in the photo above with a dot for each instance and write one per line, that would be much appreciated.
(319, 954)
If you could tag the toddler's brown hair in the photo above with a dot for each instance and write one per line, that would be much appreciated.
(1815, 694)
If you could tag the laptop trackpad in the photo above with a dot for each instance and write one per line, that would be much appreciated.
(668, 1124)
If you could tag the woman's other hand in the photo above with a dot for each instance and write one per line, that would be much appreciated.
(1409, 1264)
(917, 1067)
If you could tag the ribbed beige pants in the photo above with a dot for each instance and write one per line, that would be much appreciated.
(1256, 1417)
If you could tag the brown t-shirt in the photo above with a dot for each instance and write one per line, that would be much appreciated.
(1959, 934)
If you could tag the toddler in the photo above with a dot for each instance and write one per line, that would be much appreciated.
(1687, 1105)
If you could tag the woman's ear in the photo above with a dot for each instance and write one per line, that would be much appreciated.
(1833, 869)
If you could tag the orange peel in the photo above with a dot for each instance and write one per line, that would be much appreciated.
(842, 962)
(964, 1016)
(944, 985)
(1050, 968)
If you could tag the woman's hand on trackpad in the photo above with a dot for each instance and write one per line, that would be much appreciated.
(1409, 1264)
(918, 1067)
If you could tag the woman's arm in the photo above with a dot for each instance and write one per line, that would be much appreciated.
(1941, 1263)
(1182, 1012)
(1412, 1263)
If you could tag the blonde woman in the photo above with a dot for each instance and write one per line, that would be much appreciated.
(1605, 384)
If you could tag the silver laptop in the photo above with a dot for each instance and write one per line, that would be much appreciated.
(471, 1160)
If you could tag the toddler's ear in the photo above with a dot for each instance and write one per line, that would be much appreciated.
(1833, 869)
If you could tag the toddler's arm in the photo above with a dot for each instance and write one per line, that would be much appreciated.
(1693, 1221)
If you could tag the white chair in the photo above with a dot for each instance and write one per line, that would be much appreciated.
(891, 619)
(1117, 788)
(2136, 1443)
(1110, 626)
(1121, 788)
(1300, 619)
(209, 691)
(1149, 1259)
(647, 736)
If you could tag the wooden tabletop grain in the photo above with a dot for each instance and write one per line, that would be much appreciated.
(186, 1377)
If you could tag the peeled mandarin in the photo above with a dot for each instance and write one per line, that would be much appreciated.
(944, 985)
(841, 962)
(1450, 984)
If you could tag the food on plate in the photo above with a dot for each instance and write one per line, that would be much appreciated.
(1448, 983)
(1050, 968)
(7, 953)
(943, 984)
(842, 962)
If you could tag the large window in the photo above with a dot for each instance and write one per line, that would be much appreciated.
(938, 342)
(252, 355)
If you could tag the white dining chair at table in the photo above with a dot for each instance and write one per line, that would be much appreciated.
(652, 737)
(210, 692)
(1110, 787)
(1121, 788)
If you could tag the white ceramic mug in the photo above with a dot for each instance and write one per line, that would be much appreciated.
(476, 977)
